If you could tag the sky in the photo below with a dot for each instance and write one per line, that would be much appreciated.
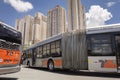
(98, 12)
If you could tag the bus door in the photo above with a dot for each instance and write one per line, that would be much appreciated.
(117, 38)
(33, 57)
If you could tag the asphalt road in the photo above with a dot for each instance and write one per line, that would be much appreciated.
(44, 74)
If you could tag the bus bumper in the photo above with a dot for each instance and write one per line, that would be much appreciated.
(8, 70)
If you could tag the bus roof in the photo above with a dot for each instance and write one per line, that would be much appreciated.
(8, 27)
(101, 29)
(8, 33)
(104, 29)
(54, 38)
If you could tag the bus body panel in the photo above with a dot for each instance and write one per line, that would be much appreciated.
(7, 70)
(38, 62)
(9, 61)
(44, 62)
(58, 62)
(25, 61)
(102, 64)
(9, 57)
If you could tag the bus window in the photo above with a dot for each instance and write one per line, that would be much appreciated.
(3, 44)
(89, 45)
(101, 45)
(48, 50)
(40, 51)
(53, 51)
(58, 47)
(17, 47)
(24, 56)
(44, 50)
(37, 52)
(28, 54)
(102, 49)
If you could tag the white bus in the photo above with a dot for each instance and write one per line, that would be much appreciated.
(63, 51)
(10, 49)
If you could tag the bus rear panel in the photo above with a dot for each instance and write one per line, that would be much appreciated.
(104, 49)
(10, 49)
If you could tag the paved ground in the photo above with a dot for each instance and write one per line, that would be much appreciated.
(44, 74)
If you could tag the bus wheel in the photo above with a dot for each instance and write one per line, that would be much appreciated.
(51, 65)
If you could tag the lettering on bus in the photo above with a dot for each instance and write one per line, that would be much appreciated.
(108, 64)
(7, 60)
(9, 52)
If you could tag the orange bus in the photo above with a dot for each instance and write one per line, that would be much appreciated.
(10, 49)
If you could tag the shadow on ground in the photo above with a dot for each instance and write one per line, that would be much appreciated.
(81, 73)
(4, 78)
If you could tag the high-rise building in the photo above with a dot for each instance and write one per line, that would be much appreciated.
(56, 21)
(39, 27)
(33, 29)
(76, 15)
(24, 25)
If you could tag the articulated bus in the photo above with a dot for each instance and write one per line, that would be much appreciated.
(10, 49)
(103, 51)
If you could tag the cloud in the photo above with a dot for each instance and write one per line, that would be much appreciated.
(20, 5)
(109, 4)
(97, 16)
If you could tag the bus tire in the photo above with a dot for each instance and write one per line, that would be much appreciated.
(51, 65)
